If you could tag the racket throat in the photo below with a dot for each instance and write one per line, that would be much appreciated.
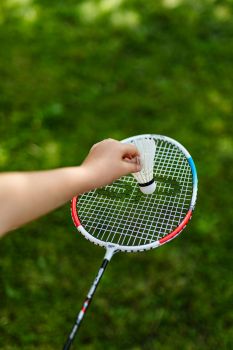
(97, 279)
(111, 250)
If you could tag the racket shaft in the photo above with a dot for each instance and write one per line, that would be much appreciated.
(86, 304)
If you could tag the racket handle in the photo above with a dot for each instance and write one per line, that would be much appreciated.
(67, 344)
(86, 304)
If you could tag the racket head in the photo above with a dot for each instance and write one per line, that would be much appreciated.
(120, 216)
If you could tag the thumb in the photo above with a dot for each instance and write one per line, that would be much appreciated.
(132, 165)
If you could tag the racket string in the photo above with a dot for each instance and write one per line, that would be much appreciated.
(128, 221)
(178, 172)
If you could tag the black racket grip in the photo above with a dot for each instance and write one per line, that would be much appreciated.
(67, 344)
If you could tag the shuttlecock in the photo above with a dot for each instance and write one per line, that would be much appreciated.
(144, 177)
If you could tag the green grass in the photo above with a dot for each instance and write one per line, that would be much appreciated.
(71, 74)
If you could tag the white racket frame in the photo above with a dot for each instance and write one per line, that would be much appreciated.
(112, 247)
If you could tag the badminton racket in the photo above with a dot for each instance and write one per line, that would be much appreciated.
(120, 218)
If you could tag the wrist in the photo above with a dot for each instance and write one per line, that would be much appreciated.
(85, 179)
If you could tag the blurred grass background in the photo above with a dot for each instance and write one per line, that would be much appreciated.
(73, 73)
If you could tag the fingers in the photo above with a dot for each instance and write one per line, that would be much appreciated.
(127, 155)
(131, 157)
(125, 150)
(132, 165)
(129, 151)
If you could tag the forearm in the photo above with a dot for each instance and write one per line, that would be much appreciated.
(27, 196)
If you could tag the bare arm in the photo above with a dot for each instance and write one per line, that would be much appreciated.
(25, 196)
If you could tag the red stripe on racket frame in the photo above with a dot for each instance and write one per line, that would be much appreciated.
(74, 215)
(178, 229)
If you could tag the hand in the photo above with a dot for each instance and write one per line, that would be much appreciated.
(108, 160)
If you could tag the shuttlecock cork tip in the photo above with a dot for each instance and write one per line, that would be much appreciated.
(148, 188)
